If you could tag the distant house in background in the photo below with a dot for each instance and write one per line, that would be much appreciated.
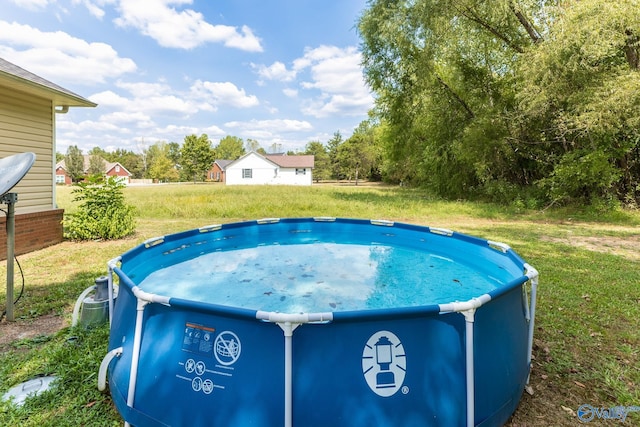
(28, 107)
(217, 171)
(110, 169)
(274, 169)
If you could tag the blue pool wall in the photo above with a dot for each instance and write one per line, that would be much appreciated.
(328, 383)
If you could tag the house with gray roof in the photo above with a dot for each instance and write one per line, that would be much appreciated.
(275, 169)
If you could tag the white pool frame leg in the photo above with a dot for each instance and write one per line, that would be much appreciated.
(143, 298)
(532, 274)
(288, 329)
(469, 318)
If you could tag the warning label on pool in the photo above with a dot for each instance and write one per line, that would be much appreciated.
(384, 363)
(228, 348)
(203, 374)
(198, 339)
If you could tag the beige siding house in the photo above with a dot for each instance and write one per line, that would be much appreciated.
(28, 108)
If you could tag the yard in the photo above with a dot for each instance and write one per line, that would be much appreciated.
(586, 347)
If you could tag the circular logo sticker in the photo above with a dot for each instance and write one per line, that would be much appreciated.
(384, 363)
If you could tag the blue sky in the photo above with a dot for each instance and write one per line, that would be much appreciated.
(282, 72)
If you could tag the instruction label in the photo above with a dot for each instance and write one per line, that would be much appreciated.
(198, 339)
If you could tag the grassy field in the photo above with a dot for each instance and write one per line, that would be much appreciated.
(587, 344)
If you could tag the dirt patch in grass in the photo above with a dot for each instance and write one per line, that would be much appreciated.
(26, 329)
(627, 247)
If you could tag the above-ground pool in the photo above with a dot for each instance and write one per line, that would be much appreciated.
(319, 322)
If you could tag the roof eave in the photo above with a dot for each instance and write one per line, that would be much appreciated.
(58, 97)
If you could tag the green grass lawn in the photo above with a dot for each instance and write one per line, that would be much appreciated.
(586, 346)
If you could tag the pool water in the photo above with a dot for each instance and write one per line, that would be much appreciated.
(318, 277)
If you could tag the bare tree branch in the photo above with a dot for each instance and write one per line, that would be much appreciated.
(457, 97)
(470, 14)
(531, 30)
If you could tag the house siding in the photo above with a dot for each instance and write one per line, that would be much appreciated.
(262, 171)
(26, 124)
(291, 176)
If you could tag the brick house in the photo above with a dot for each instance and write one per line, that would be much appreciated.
(110, 169)
(217, 171)
(28, 108)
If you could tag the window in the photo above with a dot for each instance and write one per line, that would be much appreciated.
(60, 179)
(117, 169)
(301, 171)
(247, 173)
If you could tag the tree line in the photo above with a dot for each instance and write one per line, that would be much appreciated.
(353, 158)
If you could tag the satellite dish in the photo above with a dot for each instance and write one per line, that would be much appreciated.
(13, 169)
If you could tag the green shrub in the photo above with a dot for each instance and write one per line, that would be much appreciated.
(582, 176)
(102, 213)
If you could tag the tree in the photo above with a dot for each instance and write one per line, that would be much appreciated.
(230, 148)
(579, 112)
(322, 165)
(174, 152)
(96, 165)
(197, 156)
(253, 145)
(130, 160)
(161, 167)
(332, 151)
(74, 163)
(491, 97)
(356, 156)
(97, 151)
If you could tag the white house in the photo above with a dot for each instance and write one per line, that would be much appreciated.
(256, 169)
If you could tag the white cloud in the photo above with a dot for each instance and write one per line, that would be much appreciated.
(276, 71)
(184, 29)
(144, 89)
(223, 93)
(333, 81)
(33, 4)
(279, 125)
(94, 7)
(291, 93)
(109, 99)
(337, 74)
(140, 119)
(60, 57)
